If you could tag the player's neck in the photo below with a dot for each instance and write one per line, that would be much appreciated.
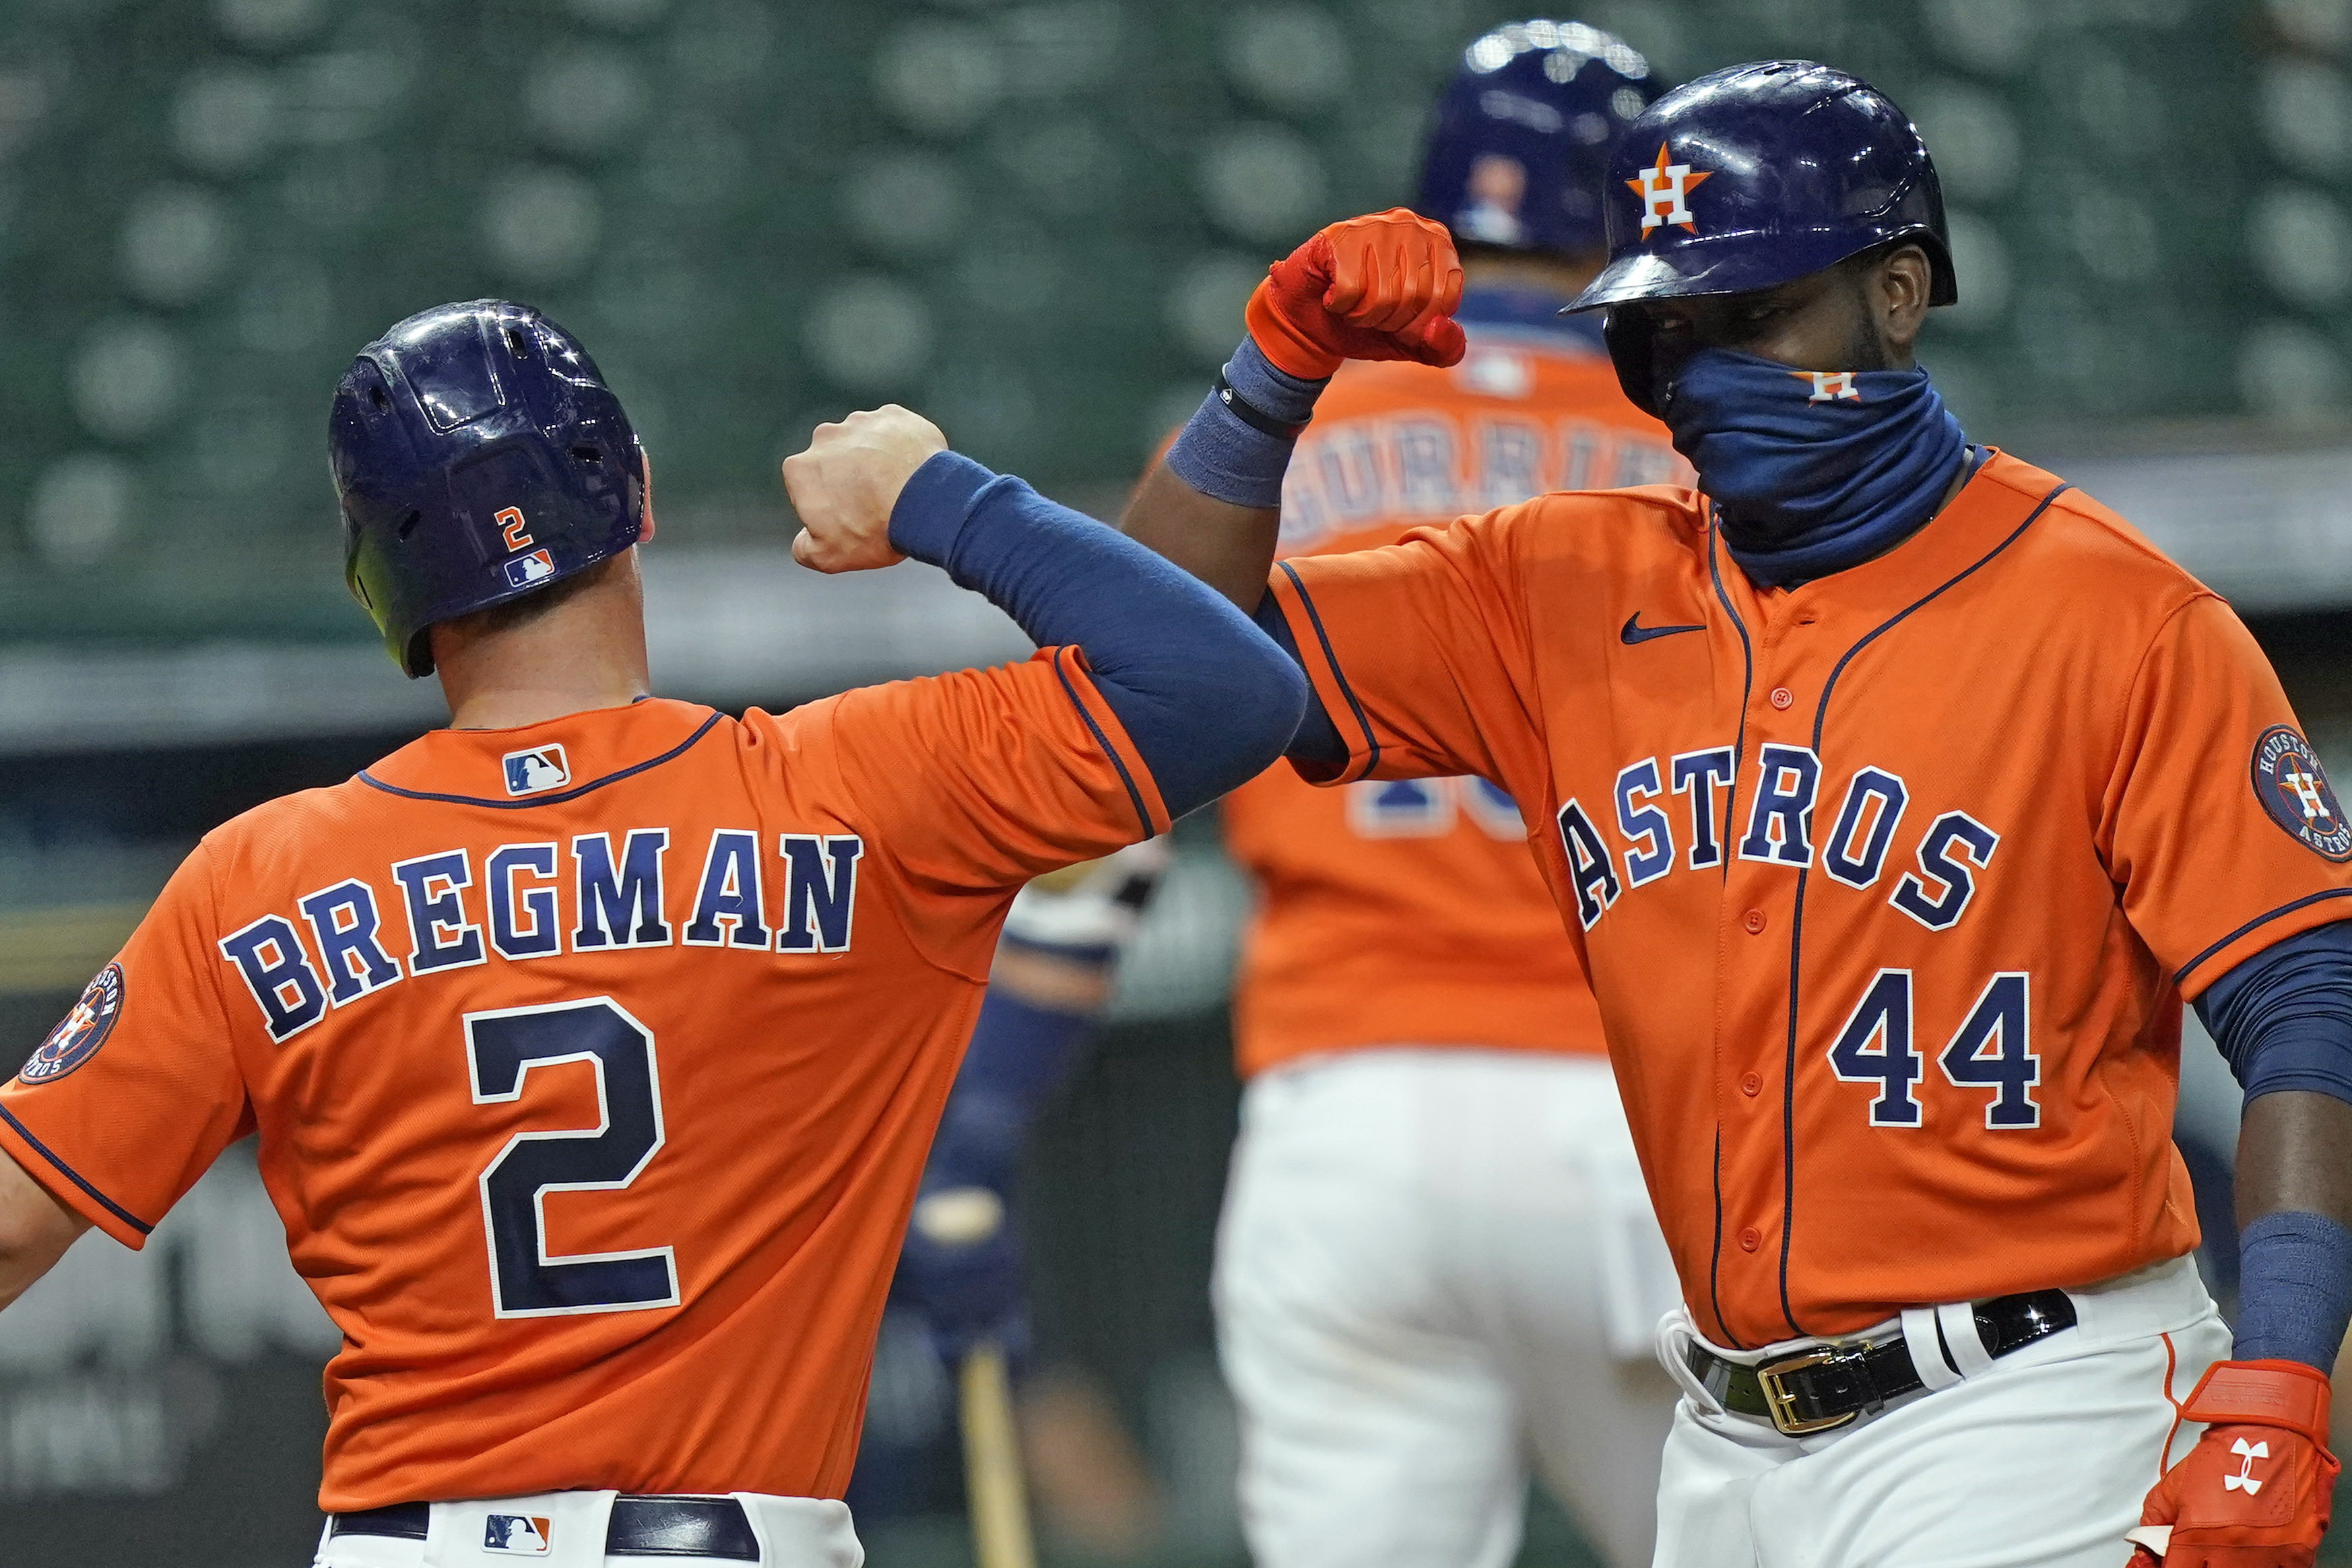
(586, 653)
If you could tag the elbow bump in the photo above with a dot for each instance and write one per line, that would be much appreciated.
(1272, 703)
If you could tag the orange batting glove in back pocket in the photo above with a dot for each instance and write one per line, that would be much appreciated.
(2254, 1492)
(1382, 287)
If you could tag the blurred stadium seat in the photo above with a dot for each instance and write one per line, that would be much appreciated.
(1033, 219)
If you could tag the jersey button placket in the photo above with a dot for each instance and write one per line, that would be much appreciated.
(1755, 889)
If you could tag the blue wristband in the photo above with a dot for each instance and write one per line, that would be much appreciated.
(1274, 391)
(1234, 460)
(2294, 1289)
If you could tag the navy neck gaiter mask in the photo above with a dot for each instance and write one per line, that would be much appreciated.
(1811, 472)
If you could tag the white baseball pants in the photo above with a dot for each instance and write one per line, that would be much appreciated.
(794, 1532)
(2039, 1459)
(1436, 1269)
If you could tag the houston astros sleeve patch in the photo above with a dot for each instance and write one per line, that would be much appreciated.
(77, 1039)
(2294, 788)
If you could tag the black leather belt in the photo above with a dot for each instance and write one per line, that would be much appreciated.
(641, 1527)
(1820, 1389)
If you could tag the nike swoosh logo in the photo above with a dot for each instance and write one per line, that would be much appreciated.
(1634, 631)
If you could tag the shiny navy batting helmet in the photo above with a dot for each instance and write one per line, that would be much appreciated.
(478, 456)
(1748, 177)
(1522, 138)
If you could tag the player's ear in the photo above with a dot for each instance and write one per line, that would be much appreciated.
(1897, 289)
(646, 467)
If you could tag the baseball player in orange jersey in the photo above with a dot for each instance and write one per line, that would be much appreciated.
(593, 1043)
(1437, 1266)
(1899, 794)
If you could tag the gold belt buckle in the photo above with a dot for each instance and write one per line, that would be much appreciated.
(1781, 1405)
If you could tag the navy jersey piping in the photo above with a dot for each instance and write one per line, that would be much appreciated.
(559, 796)
(2257, 924)
(71, 1174)
(1715, 1258)
(1323, 640)
(1746, 683)
(1730, 816)
(1134, 795)
(1797, 924)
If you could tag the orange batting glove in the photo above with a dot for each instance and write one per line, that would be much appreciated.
(1383, 287)
(2254, 1492)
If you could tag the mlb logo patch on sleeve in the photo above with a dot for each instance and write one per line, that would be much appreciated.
(516, 1535)
(537, 771)
(524, 569)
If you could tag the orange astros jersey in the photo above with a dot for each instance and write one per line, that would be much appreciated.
(1890, 886)
(1409, 912)
(595, 1063)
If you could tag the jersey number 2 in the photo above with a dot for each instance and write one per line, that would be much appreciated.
(1993, 1049)
(501, 1047)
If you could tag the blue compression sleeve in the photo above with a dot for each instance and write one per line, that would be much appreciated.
(1206, 699)
(2294, 1289)
(2284, 1017)
(2284, 1021)
(1318, 739)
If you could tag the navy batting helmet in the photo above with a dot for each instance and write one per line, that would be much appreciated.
(1748, 177)
(1522, 138)
(478, 456)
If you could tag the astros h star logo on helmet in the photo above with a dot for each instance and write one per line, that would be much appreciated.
(1664, 189)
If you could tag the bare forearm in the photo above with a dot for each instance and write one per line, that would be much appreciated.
(2294, 1155)
(1229, 547)
(34, 1231)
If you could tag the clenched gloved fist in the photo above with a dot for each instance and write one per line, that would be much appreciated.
(2254, 1492)
(1383, 287)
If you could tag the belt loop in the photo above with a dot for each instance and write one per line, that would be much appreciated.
(1674, 1340)
(1926, 1356)
(1962, 1343)
(750, 1503)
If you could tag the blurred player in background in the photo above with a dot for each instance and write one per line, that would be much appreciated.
(594, 1042)
(1437, 1263)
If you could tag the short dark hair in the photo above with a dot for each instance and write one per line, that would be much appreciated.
(525, 608)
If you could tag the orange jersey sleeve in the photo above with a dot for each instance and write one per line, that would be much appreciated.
(123, 1132)
(988, 778)
(2221, 829)
(1443, 690)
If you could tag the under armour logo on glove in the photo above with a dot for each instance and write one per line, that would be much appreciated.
(2271, 1411)
(2245, 1478)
